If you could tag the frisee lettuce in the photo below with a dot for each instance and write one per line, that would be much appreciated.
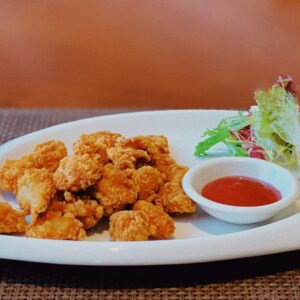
(223, 133)
(276, 126)
(272, 128)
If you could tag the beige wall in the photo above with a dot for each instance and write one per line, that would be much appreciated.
(158, 53)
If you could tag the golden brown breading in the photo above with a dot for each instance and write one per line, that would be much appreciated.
(155, 145)
(167, 165)
(161, 224)
(87, 211)
(158, 149)
(58, 190)
(77, 172)
(148, 181)
(35, 190)
(171, 195)
(11, 220)
(114, 190)
(96, 143)
(48, 154)
(12, 170)
(164, 163)
(176, 173)
(57, 226)
(172, 199)
(129, 226)
(124, 158)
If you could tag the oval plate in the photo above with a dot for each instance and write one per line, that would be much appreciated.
(198, 237)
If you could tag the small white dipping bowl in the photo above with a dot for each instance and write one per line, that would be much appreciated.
(198, 176)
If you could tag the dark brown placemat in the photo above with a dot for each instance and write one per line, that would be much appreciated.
(269, 277)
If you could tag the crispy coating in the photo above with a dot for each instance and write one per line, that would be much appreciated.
(114, 190)
(88, 212)
(155, 145)
(57, 226)
(96, 143)
(176, 173)
(148, 181)
(125, 158)
(164, 162)
(167, 165)
(158, 149)
(161, 224)
(129, 226)
(77, 172)
(58, 190)
(172, 199)
(35, 190)
(11, 220)
(171, 195)
(48, 154)
(12, 170)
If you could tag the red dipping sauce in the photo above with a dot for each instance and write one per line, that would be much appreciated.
(240, 191)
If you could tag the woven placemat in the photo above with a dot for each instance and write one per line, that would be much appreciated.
(268, 277)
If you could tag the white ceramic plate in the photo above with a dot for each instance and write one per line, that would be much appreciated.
(198, 238)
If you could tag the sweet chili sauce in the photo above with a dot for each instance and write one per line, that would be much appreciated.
(240, 191)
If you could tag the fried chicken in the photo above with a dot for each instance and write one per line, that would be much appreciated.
(11, 220)
(107, 174)
(158, 149)
(161, 225)
(35, 190)
(96, 143)
(124, 158)
(167, 165)
(48, 154)
(57, 226)
(173, 200)
(171, 195)
(148, 181)
(87, 211)
(154, 145)
(12, 170)
(77, 172)
(129, 226)
(114, 190)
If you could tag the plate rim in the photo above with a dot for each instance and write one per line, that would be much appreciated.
(115, 253)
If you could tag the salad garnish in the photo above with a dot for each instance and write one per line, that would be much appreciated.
(270, 130)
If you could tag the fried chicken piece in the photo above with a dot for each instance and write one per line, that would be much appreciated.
(158, 149)
(155, 145)
(11, 220)
(129, 226)
(176, 173)
(77, 172)
(48, 154)
(167, 165)
(87, 211)
(172, 199)
(96, 143)
(148, 181)
(35, 190)
(57, 226)
(114, 190)
(161, 224)
(125, 158)
(12, 170)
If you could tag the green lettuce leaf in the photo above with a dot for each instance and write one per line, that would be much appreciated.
(222, 133)
(276, 126)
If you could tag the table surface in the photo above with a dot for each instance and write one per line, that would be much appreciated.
(266, 277)
(171, 53)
